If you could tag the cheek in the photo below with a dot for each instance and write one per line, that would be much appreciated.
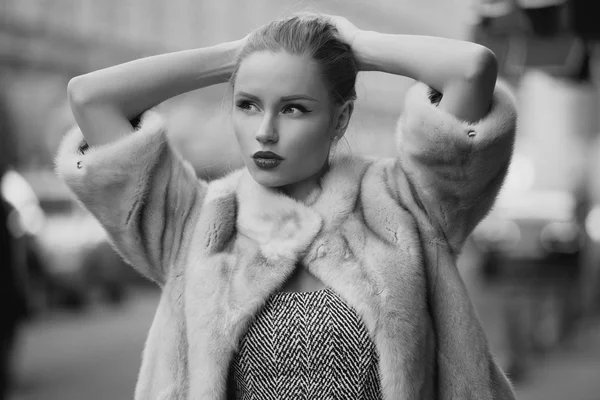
(310, 141)
(243, 132)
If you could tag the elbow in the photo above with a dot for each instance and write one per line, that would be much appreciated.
(75, 93)
(78, 93)
(482, 67)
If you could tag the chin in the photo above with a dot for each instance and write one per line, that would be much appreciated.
(269, 178)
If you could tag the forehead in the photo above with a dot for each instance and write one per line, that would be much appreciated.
(280, 74)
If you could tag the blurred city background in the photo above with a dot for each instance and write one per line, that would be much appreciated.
(74, 317)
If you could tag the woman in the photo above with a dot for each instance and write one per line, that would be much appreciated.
(297, 277)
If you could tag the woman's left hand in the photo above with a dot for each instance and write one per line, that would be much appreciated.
(348, 33)
(347, 30)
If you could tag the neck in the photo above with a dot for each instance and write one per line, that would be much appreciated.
(304, 189)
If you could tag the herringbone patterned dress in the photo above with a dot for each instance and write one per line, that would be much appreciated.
(307, 345)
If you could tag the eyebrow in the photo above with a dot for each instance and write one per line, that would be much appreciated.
(284, 98)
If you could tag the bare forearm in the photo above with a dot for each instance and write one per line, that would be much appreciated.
(433, 60)
(124, 91)
(464, 72)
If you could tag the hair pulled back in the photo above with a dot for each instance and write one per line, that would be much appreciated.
(312, 36)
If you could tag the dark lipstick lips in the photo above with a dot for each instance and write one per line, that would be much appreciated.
(267, 155)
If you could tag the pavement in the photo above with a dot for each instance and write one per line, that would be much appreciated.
(569, 373)
(96, 355)
(85, 356)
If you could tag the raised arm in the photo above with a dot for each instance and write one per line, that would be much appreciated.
(456, 131)
(143, 193)
(463, 72)
(103, 102)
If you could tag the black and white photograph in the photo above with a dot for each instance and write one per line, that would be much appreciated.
(299, 200)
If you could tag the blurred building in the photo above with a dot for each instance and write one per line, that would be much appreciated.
(546, 48)
(177, 24)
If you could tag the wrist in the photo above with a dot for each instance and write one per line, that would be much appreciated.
(217, 63)
(235, 46)
(230, 50)
(360, 46)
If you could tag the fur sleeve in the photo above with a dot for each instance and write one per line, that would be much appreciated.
(142, 192)
(456, 168)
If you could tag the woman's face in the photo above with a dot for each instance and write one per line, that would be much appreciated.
(282, 108)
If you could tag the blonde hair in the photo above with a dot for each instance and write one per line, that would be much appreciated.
(315, 37)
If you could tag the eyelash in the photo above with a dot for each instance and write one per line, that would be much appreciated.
(246, 105)
(299, 107)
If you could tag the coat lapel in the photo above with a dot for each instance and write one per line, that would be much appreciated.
(229, 283)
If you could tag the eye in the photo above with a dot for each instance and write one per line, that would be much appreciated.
(295, 109)
(246, 106)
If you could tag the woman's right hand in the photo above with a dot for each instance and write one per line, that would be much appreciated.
(241, 43)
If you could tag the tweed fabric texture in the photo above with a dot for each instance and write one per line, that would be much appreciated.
(307, 345)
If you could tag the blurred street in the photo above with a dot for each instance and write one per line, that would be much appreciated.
(96, 355)
(569, 372)
(92, 355)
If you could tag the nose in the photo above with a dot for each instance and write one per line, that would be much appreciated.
(267, 132)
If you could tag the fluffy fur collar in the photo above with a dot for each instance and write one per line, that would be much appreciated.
(284, 226)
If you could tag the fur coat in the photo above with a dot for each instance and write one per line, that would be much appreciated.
(383, 233)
